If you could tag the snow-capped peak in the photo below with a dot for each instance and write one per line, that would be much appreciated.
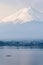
(21, 16)
(24, 15)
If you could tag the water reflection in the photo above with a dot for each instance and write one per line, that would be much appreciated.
(13, 56)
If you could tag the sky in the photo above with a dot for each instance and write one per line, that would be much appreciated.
(8, 7)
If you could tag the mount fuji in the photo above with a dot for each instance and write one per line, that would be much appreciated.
(23, 15)
(27, 23)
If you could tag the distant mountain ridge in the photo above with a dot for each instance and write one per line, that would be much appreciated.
(29, 30)
(33, 44)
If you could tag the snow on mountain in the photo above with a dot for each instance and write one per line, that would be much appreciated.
(24, 15)
(36, 14)
(20, 16)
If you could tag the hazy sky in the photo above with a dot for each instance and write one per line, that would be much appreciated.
(8, 7)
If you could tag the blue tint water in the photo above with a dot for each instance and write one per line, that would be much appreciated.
(13, 56)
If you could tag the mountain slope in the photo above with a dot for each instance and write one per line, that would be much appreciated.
(31, 30)
(20, 16)
(23, 15)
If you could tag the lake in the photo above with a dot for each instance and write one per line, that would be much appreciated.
(14, 56)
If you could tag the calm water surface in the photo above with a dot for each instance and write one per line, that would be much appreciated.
(13, 56)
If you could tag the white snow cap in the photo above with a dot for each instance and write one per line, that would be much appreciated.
(24, 15)
(20, 16)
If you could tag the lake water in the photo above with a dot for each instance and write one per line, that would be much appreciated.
(13, 56)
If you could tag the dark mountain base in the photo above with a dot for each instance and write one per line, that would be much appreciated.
(23, 44)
